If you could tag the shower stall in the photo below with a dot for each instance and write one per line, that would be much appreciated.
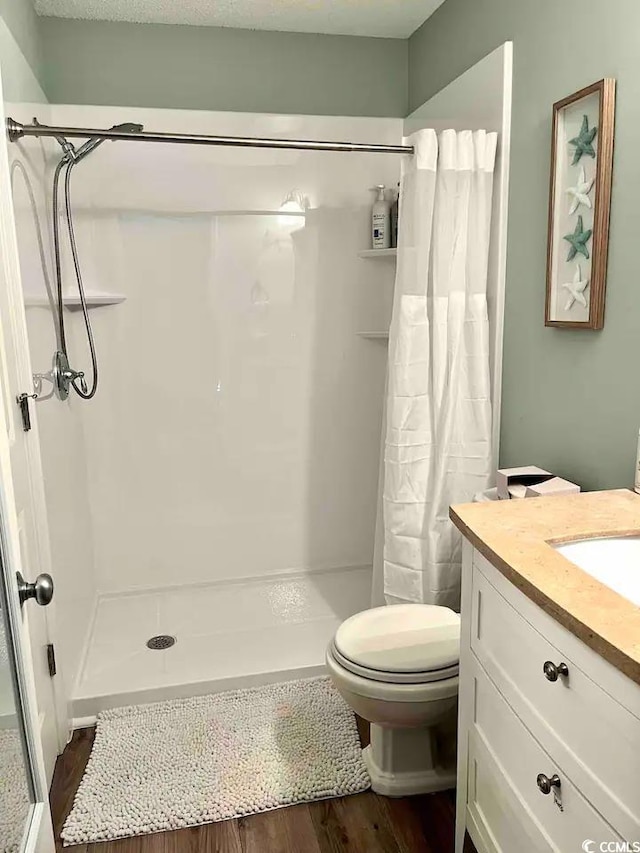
(212, 506)
(212, 503)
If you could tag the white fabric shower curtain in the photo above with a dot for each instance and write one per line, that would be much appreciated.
(438, 432)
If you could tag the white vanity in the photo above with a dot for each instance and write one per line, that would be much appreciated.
(549, 720)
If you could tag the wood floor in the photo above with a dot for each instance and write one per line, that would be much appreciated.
(362, 823)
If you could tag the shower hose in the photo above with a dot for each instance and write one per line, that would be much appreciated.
(79, 384)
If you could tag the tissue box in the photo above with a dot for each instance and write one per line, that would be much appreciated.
(513, 482)
(554, 486)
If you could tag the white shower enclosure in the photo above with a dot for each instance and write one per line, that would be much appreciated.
(221, 487)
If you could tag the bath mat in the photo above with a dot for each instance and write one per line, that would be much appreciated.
(191, 761)
(14, 793)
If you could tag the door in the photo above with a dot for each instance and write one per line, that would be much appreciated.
(23, 469)
(25, 819)
(22, 491)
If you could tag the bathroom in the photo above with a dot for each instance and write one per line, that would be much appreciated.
(219, 509)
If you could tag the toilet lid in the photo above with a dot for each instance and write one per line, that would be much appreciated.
(401, 638)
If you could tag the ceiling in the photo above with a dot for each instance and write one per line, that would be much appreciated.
(388, 18)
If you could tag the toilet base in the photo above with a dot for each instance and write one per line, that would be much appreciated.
(401, 763)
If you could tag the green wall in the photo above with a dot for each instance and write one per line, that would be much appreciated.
(571, 398)
(159, 65)
(21, 19)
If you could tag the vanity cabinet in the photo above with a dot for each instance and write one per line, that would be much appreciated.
(548, 731)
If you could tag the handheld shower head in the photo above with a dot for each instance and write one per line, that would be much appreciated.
(68, 377)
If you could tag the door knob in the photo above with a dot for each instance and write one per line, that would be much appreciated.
(547, 784)
(551, 671)
(41, 590)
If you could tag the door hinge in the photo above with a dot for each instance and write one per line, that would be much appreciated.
(23, 402)
(51, 659)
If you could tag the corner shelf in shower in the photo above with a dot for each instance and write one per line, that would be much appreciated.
(374, 336)
(94, 300)
(378, 253)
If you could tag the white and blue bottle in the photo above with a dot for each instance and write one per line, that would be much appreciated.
(380, 221)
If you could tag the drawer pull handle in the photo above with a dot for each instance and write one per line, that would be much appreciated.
(546, 784)
(551, 671)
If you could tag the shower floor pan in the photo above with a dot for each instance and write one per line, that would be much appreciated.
(227, 636)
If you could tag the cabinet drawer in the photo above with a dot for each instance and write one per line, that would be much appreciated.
(498, 820)
(595, 738)
(521, 758)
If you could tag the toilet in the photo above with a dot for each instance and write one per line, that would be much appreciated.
(397, 667)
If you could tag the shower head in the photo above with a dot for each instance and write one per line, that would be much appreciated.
(88, 146)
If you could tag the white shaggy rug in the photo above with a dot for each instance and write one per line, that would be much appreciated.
(14, 793)
(209, 758)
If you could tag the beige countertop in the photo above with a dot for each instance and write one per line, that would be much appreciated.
(515, 537)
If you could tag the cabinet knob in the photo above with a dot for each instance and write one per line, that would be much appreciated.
(551, 671)
(546, 784)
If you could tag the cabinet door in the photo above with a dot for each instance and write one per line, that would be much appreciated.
(564, 817)
(498, 820)
(595, 737)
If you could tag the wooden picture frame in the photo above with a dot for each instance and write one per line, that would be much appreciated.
(579, 204)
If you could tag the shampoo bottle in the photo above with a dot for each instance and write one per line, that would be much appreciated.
(380, 221)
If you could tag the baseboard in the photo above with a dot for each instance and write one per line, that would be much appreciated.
(83, 722)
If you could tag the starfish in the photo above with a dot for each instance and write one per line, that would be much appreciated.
(578, 241)
(580, 193)
(583, 141)
(576, 289)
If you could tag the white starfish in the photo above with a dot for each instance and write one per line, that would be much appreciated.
(580, 193)
(576, 289)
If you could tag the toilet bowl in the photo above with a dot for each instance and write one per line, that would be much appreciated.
(397, 667)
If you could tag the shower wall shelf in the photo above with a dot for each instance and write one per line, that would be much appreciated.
(374, 336)
(94, 300)
(378, 253)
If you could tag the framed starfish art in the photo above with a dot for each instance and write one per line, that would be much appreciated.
(579, 202)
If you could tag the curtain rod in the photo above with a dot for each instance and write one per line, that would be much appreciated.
(16, 130)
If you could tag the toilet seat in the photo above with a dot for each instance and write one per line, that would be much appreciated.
(419, 677)
(388, 691)
(400, 644)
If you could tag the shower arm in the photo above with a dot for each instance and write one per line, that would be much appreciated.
(16, 130)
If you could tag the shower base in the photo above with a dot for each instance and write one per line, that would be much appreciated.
(228, 636)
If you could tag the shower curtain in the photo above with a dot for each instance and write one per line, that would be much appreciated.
(438, 415)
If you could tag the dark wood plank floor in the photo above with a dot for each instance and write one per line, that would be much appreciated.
(362, 823)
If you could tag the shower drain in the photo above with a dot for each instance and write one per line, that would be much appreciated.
(161, 642)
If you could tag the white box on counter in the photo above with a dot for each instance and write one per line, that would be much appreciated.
(512, 482)
(554, 486)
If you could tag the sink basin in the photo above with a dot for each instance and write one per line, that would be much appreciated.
(614, 562)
